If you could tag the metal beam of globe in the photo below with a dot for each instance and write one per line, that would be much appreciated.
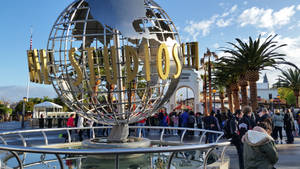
(113, 71)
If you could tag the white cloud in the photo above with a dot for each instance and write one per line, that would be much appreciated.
(291, 50)
(263, 33)
(216, 45)
(223, 23)
(298, 7)
(233, 8)
(266, 18)
(195, 28)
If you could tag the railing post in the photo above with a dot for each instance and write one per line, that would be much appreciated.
(182, 136)
(18, 159)
(170, 159)
(60, 161)
(93, 133)
(45, 137)
(162, 134)
(202, 136)
(23, 140)
(69, 136)
(206, 157)
(117, 161)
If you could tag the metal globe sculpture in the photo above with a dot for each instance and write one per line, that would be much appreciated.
(116, 62)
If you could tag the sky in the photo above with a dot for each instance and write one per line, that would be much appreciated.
(211, 23)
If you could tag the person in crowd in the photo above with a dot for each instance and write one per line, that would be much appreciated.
(80, 125)
(179, 122)
(89, 123)
(141, 123)
(175, 122)
(219, 117)
(70, 123)
(235, 126)
(191, 122)
(42, 121)
(263, 115)
(259, 149)
(212, 123)
(289, 126)
(199, 122)
(278, 125)
(298, 121)
(184, 118)
(248, 121)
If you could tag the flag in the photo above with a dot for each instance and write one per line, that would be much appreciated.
(31, 42)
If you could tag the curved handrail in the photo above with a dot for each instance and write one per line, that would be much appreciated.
(188, 147)
(116, 152)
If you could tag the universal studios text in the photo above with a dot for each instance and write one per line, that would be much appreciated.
(40, 62)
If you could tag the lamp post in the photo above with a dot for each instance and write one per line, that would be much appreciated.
(214, 92)
(23, 111)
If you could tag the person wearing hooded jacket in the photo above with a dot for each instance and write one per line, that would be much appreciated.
(259, 148)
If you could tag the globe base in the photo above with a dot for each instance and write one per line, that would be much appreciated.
(119, 134)
(102, 143)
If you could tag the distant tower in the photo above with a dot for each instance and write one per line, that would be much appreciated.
(266, 80)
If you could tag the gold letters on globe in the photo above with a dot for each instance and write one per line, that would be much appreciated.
(38, 69)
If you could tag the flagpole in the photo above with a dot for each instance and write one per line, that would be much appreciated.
(25, 99)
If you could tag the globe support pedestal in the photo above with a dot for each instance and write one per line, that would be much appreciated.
(119, 134)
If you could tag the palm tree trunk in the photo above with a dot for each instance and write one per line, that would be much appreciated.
(235, 94)
(252, 76)
(229, 95)
(253, 95)
(222, 101)
(244, 84)
(204, 95)
(209, 86)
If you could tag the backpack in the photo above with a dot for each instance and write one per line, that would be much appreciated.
(228, 130)
(191, 119)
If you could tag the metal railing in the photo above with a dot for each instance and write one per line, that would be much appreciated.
(16, 150)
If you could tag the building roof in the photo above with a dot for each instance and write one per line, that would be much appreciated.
(47, 105)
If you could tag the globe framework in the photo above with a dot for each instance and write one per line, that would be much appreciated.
(112, 104)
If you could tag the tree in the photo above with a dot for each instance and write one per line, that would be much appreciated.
(254, 57)
(291, 79)
(28, 107)
(5, 111)
(225, 76)
(288, 95)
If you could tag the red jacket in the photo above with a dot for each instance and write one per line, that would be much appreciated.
(70, 122)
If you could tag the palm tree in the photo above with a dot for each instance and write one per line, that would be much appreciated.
(225, 75)
(219, 82)
(255, 56)
(291, 79)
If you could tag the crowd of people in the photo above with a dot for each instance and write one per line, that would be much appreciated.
(254, 134)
